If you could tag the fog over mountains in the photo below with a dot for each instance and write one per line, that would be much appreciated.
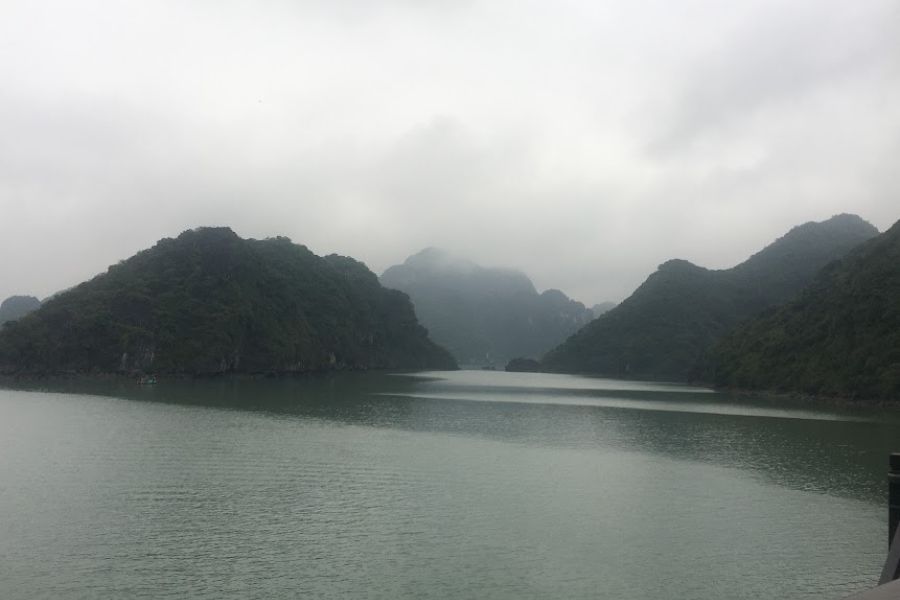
(484, 316)
(815, 311)
(583, 144)
(16, 307)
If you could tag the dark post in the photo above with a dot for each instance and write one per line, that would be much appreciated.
(891, 570)
(893, 496)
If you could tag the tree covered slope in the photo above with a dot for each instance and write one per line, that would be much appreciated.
(210, 302)
(665, 329)
(840, 337)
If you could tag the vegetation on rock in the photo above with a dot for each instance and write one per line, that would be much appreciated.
(666, 328)
(210, 302)
(840, 337)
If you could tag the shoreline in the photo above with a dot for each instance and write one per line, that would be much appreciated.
(61, 376)
(812, 400)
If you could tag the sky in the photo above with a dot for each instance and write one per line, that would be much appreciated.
(584, 142)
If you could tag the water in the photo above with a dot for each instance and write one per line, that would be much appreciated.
(444, 485)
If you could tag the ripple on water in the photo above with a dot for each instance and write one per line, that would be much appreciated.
(393, 495)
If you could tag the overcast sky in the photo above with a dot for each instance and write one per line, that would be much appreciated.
(584, 142)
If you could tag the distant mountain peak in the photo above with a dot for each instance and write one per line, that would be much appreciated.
(433, 258)
(484, 315)
(222, 232)
(554, 294)
(845, 223)
(848, 219)
(431, 253)
(16, 307)
(679, 265)
(810, 242)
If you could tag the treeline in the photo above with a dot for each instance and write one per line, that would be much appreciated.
(668, 327)
(817, 312)
(210, 302)
(840, 337)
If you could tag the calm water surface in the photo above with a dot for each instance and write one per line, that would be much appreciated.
(441, 485)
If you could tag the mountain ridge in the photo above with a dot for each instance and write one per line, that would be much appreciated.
(840, 337)
(484, 315)
(664, 330)
(209, 302)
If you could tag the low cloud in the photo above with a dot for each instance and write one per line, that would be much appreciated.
(584, 144)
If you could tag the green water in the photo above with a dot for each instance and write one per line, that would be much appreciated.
(451, 485)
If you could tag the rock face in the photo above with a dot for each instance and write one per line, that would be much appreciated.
(210, 302)
(484, 316)
(840, 337)
(666, 328)
(16, 307)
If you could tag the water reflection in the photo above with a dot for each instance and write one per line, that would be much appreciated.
(795, 444)
(447, 486)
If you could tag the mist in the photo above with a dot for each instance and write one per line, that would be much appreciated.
(583, 143)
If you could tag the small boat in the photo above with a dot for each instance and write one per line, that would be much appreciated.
(147, 380)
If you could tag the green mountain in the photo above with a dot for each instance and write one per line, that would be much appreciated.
(16, 307)
(665, 329)
(840, 337)
(210, 302)
(484, 315)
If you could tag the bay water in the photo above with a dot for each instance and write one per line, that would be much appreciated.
(469, 484)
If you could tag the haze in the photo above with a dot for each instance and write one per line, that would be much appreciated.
(584, 142)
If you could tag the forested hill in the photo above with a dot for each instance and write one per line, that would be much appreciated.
(484, 315)
(840, 337)
(665, 328)
(210, 302)
(16, 307)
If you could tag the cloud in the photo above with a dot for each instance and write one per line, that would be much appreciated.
(583, 142)
(786, 56)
